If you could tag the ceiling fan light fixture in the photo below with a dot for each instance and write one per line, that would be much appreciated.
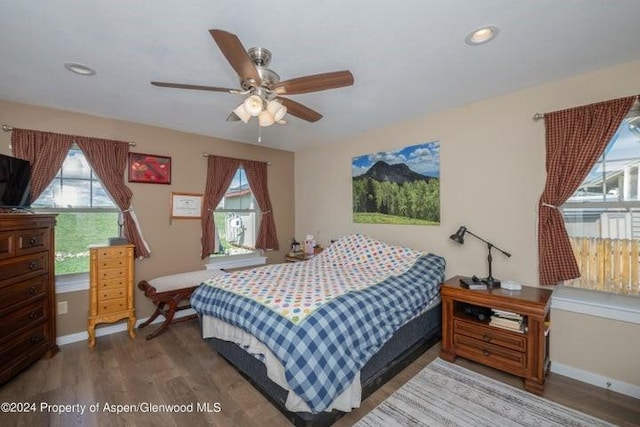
(277, 110)
(242, 113)
(253, 105)
(266, 118)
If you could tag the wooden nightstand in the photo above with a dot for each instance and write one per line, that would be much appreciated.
(525, 353)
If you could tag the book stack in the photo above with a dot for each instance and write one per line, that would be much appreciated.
(507, 320)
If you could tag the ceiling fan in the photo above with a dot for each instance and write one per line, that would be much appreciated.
(263, 87)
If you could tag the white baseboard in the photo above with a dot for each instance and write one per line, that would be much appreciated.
(120, 327)
(596, 379)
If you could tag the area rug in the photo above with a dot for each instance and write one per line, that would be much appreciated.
(444, 394)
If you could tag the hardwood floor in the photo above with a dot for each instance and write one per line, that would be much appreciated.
(180, 368)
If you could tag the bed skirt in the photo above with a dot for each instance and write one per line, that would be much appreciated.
(406, 345)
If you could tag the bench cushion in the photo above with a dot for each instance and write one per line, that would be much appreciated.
(182, 280)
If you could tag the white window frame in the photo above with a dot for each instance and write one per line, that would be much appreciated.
(255, 257)
(72, 282)
(615, 205)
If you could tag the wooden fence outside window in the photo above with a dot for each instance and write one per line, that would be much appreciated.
(608, 265)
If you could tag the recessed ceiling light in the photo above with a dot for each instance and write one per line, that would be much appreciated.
(83, 70)
(482, 35)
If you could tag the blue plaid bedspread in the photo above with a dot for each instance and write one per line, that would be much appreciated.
(322, 355)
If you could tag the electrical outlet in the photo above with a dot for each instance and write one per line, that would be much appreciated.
(63, 307)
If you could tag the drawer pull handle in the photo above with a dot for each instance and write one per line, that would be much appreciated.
(486, 352)
(486, 337)
(35, 338)
(33, 240)
(33, 290)
(33, 265)
(33, 315)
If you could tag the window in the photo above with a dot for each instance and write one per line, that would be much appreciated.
(86, 213)
(236, 218)
(603, 216)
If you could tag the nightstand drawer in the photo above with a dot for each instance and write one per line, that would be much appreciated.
(491, 335)
(488, 353)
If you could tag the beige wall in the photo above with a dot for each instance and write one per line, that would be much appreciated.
(492, 174)
(610, 345)
(175, 247)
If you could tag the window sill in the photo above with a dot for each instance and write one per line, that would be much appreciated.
(235, 261)
(72, 283)
(625, 308)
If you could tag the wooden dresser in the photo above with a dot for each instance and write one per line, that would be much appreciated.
(27, 291)
(111, 288)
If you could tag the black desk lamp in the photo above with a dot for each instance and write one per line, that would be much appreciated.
(459, 237)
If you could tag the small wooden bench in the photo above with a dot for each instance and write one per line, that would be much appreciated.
(171, 294)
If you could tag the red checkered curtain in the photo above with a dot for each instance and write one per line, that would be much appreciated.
(220, 171)
(575, 139)
(108, 159)
(45, 151)
(257, 177)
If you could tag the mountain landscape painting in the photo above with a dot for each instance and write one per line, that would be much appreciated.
(398, 187)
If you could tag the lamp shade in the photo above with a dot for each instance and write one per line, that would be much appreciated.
(266, 118)
(253, 105)
(241, 113)
(459, 235)
(277, 110)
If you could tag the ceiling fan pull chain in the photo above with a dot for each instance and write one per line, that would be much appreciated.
(259, 133)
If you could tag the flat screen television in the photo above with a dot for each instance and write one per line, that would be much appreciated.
(15, 182)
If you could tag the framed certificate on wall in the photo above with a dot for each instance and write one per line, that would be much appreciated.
(186, 206)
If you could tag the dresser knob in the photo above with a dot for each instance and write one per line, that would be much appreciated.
(486, 352)
(33, 240)
(33, 290)
(35, 338)
(33, 315)
(486, 337)
(33, 265)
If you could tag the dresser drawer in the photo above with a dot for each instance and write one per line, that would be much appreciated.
(489, 354)
(29, 341)
(112, 306)
(7, 244)
(112, 273)
(30, 265)
(491, 335)
(16, 322)
(112, 252)
(29, 241)
(119, 283)
(108, 263)
(109, 294)
(23, 293)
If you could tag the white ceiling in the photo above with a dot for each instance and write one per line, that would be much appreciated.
(408, 57)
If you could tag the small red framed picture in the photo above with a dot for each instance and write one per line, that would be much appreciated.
(149, 168)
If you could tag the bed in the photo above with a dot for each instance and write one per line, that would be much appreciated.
(318, 336)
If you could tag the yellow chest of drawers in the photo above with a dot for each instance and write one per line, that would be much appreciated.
(111, 288)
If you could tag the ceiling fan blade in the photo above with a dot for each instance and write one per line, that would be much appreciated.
(296, 109)
(236, 54)
(314, 83)
(194, 87)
